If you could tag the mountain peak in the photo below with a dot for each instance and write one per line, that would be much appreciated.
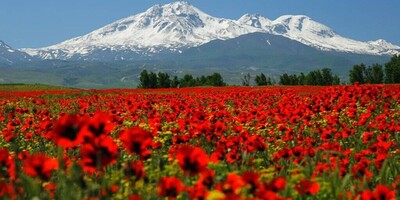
(9, 55)
(380, 42)
(4, 45)
(383, 44)
(248, 15)
(294, 20)
(174, 8)
(254, 20)
(293, 17)
(301, 25)
(176, 13)
(180, 4)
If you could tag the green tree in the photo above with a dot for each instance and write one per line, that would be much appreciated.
(187, 81)
(311, 78)
(246, 80)
(378, 74)
(368, 75)
(152, 80)
(327, 77)
(262, 80)
(284, 79)
(336, 80)
(144, 79)
(175, 82)
(216, 80)
(357, 74)
(374, 74)
(392, 70)
(293, 80)
(302, 79)
(319, 78)
(201, 81)
(163, 80)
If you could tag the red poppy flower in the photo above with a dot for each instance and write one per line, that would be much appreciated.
(269, 191)
(231, 185)
(39, 165)
(277, 184)
(367, 136)
(67, 131)
(252, 179)
(233, 156)
(136, 140)
(109, 191)
(217, 155)
(135, 197)
(268, 195)
(180, 139)
(307, 187)
(8, 135)
(102, 152)
(381, 192)
(255, 143)
(7, 165)
(367, 195)
(197, 192)
(206, 179)
(284, 153)
(99, 124)
(7, 190)
(360, 169)
(23, 155)
(192, 160)
(51, 188)
(170, 187)
(135, 169)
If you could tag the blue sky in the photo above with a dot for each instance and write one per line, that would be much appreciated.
(39, 23)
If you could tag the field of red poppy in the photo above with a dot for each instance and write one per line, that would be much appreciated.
(201, 143)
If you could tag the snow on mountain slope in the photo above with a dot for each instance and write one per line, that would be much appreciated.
(385, 46)
(9, 55)
(177, 26)
(303, 29)
(172, 26)
(5, 47)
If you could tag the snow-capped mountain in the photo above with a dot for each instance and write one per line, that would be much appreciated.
(170, 27)
(9, 55)
(178, 26)
(307, 31)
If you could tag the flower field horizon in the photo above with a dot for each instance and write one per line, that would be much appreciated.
(276, 142)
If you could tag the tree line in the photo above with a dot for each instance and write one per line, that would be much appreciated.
(376, 73)
(163, 80)
(316, 77)
(360, 73)
(259, 79)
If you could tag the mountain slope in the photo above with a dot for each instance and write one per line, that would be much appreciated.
(10, 56)
(307, 31)
(178, 26)
(268, 51)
